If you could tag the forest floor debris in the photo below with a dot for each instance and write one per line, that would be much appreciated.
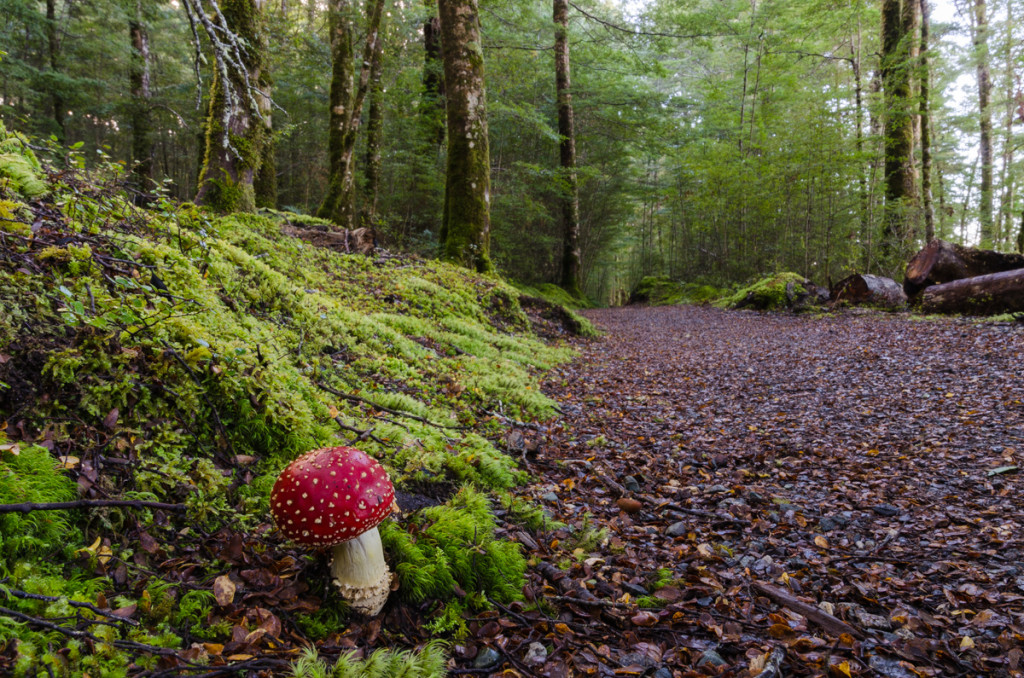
(818, 496)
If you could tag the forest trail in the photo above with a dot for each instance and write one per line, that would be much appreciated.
(865, 464)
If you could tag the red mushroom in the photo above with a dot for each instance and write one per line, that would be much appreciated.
(336, 497)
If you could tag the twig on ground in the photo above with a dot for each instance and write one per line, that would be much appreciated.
(73, 603)
(28, 507)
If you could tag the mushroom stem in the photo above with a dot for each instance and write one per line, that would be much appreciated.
(360, 572)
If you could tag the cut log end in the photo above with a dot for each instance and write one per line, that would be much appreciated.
(864, 289)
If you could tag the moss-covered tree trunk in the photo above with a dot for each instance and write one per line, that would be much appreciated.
(346, 105)
(141, 111)
(234, 134)
(567, 154)
(900, 219)
(466, 224)
(984, 121)
(265, 182)
(374, 131)
(431, 106)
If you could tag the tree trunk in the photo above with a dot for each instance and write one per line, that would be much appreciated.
(346, 101)
(466, 225)
(926, 122)
(141, 118)
(432, 107)
(983, 295)
(53, 52)
(1006, 179)
(900, 189)
(567, 154)
(265, 182)
(234, 134)
(942, 262)
(984, 122)
(873, 290)
(374, 131)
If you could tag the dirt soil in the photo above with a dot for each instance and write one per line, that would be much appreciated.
(822, 496)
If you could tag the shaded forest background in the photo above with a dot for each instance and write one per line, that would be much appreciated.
(716, 141)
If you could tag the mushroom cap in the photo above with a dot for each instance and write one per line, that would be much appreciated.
(331, 495)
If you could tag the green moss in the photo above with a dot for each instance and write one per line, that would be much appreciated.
(427, 662)
(662, 291)
(767, 294)
(31, 475)
(20, 171)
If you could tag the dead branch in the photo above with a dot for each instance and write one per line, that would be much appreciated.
(28, 507)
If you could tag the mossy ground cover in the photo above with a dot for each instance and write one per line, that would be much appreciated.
(663, 291)
(172, 355)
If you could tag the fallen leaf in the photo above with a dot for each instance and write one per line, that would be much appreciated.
(223, 590)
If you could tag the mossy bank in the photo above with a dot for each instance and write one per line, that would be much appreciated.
(172, 355)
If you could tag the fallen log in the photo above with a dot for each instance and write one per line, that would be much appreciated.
(871, 290)
(982, 295)
(356, 241)
(830, 623)
(942, 262)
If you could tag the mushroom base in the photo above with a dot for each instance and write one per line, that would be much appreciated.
(361, 574)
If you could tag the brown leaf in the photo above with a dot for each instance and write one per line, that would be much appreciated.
(644, 618)
(224, 590)
(110, 421)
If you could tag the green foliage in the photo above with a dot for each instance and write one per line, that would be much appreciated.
(428, 661)
(20, 172)
(455, 544)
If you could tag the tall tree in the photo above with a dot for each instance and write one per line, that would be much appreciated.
(53, 54)
(900, 217)
(984, 120)
(431, 106)
(141, 104)
(466, 224)
(570, 198)
(926, 121)
(346, 106)
(374, 132)
(235, 134)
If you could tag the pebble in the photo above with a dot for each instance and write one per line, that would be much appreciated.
(678, 529)
(887, 510)
(631, 484)
(536, 654)
(638, 659)
(635, 589)
(716, 489)
(662, 673)
(486, 657)
(711, 657)
(550, 496)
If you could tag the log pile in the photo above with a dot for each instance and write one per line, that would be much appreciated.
(942, 262)
(948, 278)
(871, 290)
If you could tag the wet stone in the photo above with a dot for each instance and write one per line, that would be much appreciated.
(710, 657)
(631, 484)
(536, 654)
(487, 657)
(887, 510)
(678, 529)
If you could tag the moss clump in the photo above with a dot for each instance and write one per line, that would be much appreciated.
(775, 292)
(20, 171)
(430, 661)
(454, 544)
(30, 474)
(663, 291)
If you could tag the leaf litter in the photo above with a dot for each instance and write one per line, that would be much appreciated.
(750, 494)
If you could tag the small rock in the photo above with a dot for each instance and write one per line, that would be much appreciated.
(486, 657)
(635, 589)
(747, 560)
(678, 529)
(536, 654)
(631, 484)
(827, 524)
(711, 657)
(890, 668)
(550, 496)
(887, 510)
(716, 489)
(662, 673)
(638, 659)
(844, 518)
(755, 498)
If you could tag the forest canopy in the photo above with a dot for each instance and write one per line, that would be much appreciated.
(712, 142)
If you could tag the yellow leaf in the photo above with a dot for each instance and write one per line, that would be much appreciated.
(821, 541)
(784, 577)
(843, 668)
(10, 447)
(104, 554)
(333, 411)
(966, 643)
(69, 462)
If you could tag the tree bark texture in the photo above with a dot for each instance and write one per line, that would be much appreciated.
(141, 111)
(374, 132)
(900, 186)
(265, 182)
(234, 134)
(983, 295)
(872, 290)
(466, 224)
(926, 122)
(571, 263)
(432, 107)
(346, 102)
(984, 122)
(942, 262)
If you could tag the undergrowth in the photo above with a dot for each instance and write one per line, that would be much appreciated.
(175, 355)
